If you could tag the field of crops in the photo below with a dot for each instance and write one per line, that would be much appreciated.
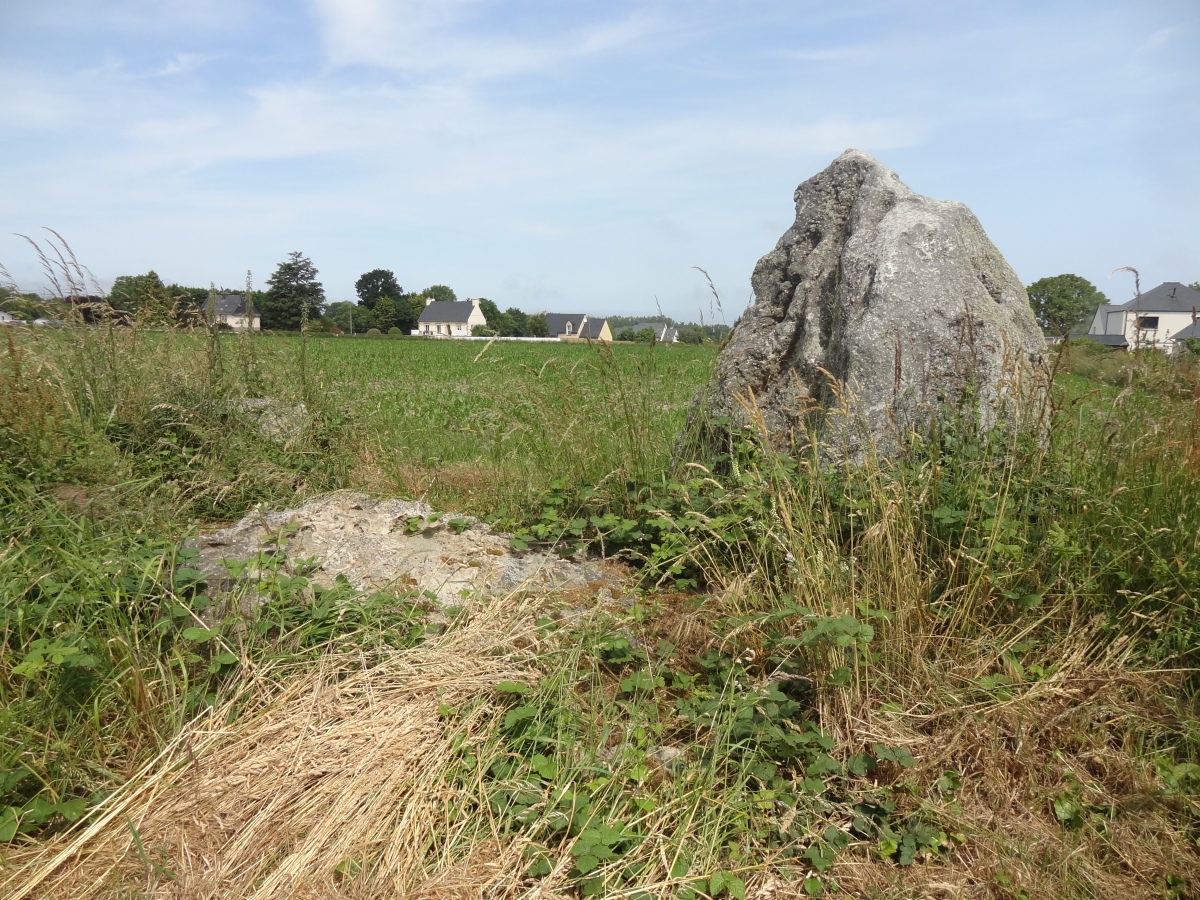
(473, 423)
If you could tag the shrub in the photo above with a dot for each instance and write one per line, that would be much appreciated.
(395, 332)
(373, 332)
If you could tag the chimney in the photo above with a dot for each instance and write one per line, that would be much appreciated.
(428, 300)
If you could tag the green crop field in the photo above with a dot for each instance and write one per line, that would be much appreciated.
(468, 422)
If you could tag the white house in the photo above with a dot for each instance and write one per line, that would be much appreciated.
(231, 310)
(6, 317)
(1152, 319)
(446, 318)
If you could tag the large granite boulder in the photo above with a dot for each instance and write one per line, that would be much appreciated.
(874, 310)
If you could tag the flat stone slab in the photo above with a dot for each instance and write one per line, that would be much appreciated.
(394, 545)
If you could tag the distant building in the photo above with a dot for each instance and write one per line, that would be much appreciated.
(564, 325)
(596, 330)
(578, 327)
(1153, 319)
(6, 317)
(663, 333)
(232, 310)
(449, 318)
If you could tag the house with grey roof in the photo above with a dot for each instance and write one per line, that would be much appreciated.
(596, 330)
(232, 310)
(1152, 319)
(449, 318)
(578, 327)
(564, 325)
(663, 333)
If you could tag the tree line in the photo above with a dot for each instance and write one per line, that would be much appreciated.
(295, 298)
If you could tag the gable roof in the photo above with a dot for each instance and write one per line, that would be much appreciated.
(1168, 297)
(226, 304)
(456, 311)
(556, 323)
(592, 329)
(663, 333)
(1192, 331)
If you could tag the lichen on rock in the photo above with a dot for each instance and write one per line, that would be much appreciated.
(875, 309)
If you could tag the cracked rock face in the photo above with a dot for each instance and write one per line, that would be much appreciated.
(896, 301)
(394, 545)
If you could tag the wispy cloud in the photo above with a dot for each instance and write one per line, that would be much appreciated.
(444, 37)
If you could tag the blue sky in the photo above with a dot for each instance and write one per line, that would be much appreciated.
(575, 155)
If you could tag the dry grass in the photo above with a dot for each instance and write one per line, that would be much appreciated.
(1075, 739)
(331, 788)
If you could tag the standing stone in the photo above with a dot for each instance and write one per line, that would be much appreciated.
(875, 309)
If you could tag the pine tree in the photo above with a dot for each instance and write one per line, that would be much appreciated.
(295, 296)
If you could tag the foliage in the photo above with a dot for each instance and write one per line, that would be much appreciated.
(491, 313)
(876, 651)
(1062, 301)
(385, 313)
(349, 317)
(26, 306)
(373, 286)
(440, 292)
(111, 640)
(295, 295)
(645, 336)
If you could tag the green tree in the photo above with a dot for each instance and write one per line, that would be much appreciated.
(126, 293)
(645, 336)
(385, 313)
(1062, 301)
(538, 326)
(407, 312)
(156, 308)
(440, 292)
(295, 295)
(373, 286)
(416, 303)
(520, 323)
(491, 312)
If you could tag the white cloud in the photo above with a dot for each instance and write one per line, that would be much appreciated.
(437, 37)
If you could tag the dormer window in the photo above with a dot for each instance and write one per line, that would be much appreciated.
(570, 328)
(1147, 323)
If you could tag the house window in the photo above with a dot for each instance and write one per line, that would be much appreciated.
(1147, 323)
(570, 328)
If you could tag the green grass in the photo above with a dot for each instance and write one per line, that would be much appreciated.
(477, 426)
(972, 663)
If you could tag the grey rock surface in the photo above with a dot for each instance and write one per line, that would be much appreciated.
(394, 545)
(893, 301)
